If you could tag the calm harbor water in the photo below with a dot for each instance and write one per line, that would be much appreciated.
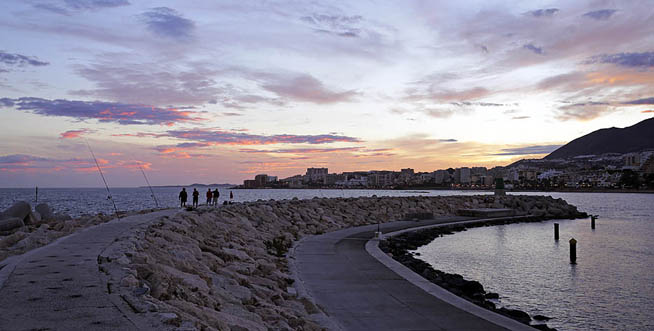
(78, 201)
(610, 288)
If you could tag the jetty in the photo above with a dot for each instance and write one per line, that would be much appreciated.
(61, 286)
(361, 288)
(236, 266)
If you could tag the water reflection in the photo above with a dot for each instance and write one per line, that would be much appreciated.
(611, 286)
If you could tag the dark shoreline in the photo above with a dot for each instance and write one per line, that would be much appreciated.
(451, 189)
(399, 246)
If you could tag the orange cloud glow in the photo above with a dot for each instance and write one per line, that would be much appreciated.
(74, 133)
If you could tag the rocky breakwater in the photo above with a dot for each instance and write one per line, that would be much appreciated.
(226, 268)
(23, 228)
(532, 209)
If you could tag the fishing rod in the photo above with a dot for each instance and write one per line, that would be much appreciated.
(104, 180)
(148, 182)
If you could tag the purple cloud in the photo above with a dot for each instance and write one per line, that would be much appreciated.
(533, 48)
(536, 149)
(167, 22)
(120, 113)
(221, 137)
(305, 88)
(343, 26)
(549, 12)
(52, 8)
(200, 138)
(584, 111)
(430, 94)
(95, 4)
(302, 150)
(481, 104)
(150, 83)
(645, 101)
(67, 5)
(20, 159)
(600, 15)
(644, 59)
(20, 60)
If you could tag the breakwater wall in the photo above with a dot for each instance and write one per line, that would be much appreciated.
(401, 247)
(23, 228)
(224, 268)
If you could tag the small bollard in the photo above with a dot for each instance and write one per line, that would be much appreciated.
(592, 221)
(556, 231)
(573, 251)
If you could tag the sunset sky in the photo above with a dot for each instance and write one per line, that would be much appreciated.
(219, 91)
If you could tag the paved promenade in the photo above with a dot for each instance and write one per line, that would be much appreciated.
(59, 286)
(358, 292)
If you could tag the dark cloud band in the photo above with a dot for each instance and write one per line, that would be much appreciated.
(167, 22)
(20, 60)
(537, 149)
(635, 60)
(120, 113)
(600, 15)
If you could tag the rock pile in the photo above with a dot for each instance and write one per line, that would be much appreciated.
(23, 229)
(225, 268)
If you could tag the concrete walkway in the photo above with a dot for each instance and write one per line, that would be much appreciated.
(59, 286)
(358, 292)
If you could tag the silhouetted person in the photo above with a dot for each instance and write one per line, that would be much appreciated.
(209, 195)
(196, 196)
(216, 195)
(182, 198)
(231, 197)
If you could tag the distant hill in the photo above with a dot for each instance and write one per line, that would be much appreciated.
(613, 140)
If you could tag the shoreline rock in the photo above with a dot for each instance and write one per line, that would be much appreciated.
(23, 229)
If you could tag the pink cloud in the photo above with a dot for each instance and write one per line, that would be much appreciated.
(301, 150)
(74, 133)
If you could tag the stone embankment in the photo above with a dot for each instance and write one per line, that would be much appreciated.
(23, 229)
(401, 249)
(225, 268)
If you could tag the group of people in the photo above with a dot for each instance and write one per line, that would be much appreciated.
(212, 197)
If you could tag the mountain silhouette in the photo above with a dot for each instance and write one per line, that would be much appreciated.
(634, 138)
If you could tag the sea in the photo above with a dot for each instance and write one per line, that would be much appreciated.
(611, 287)
(85, 201)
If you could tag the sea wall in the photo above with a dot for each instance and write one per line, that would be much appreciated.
(401, 248)
(226, 268)
(23, 228)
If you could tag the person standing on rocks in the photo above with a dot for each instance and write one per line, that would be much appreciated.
(216, 195)
(182, 197)
(231, 197)
(196, 196)
(209, 194)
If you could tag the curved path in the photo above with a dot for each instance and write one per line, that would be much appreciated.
(59, 286)
(358, 292)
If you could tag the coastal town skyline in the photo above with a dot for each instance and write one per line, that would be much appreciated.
(206, 92)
